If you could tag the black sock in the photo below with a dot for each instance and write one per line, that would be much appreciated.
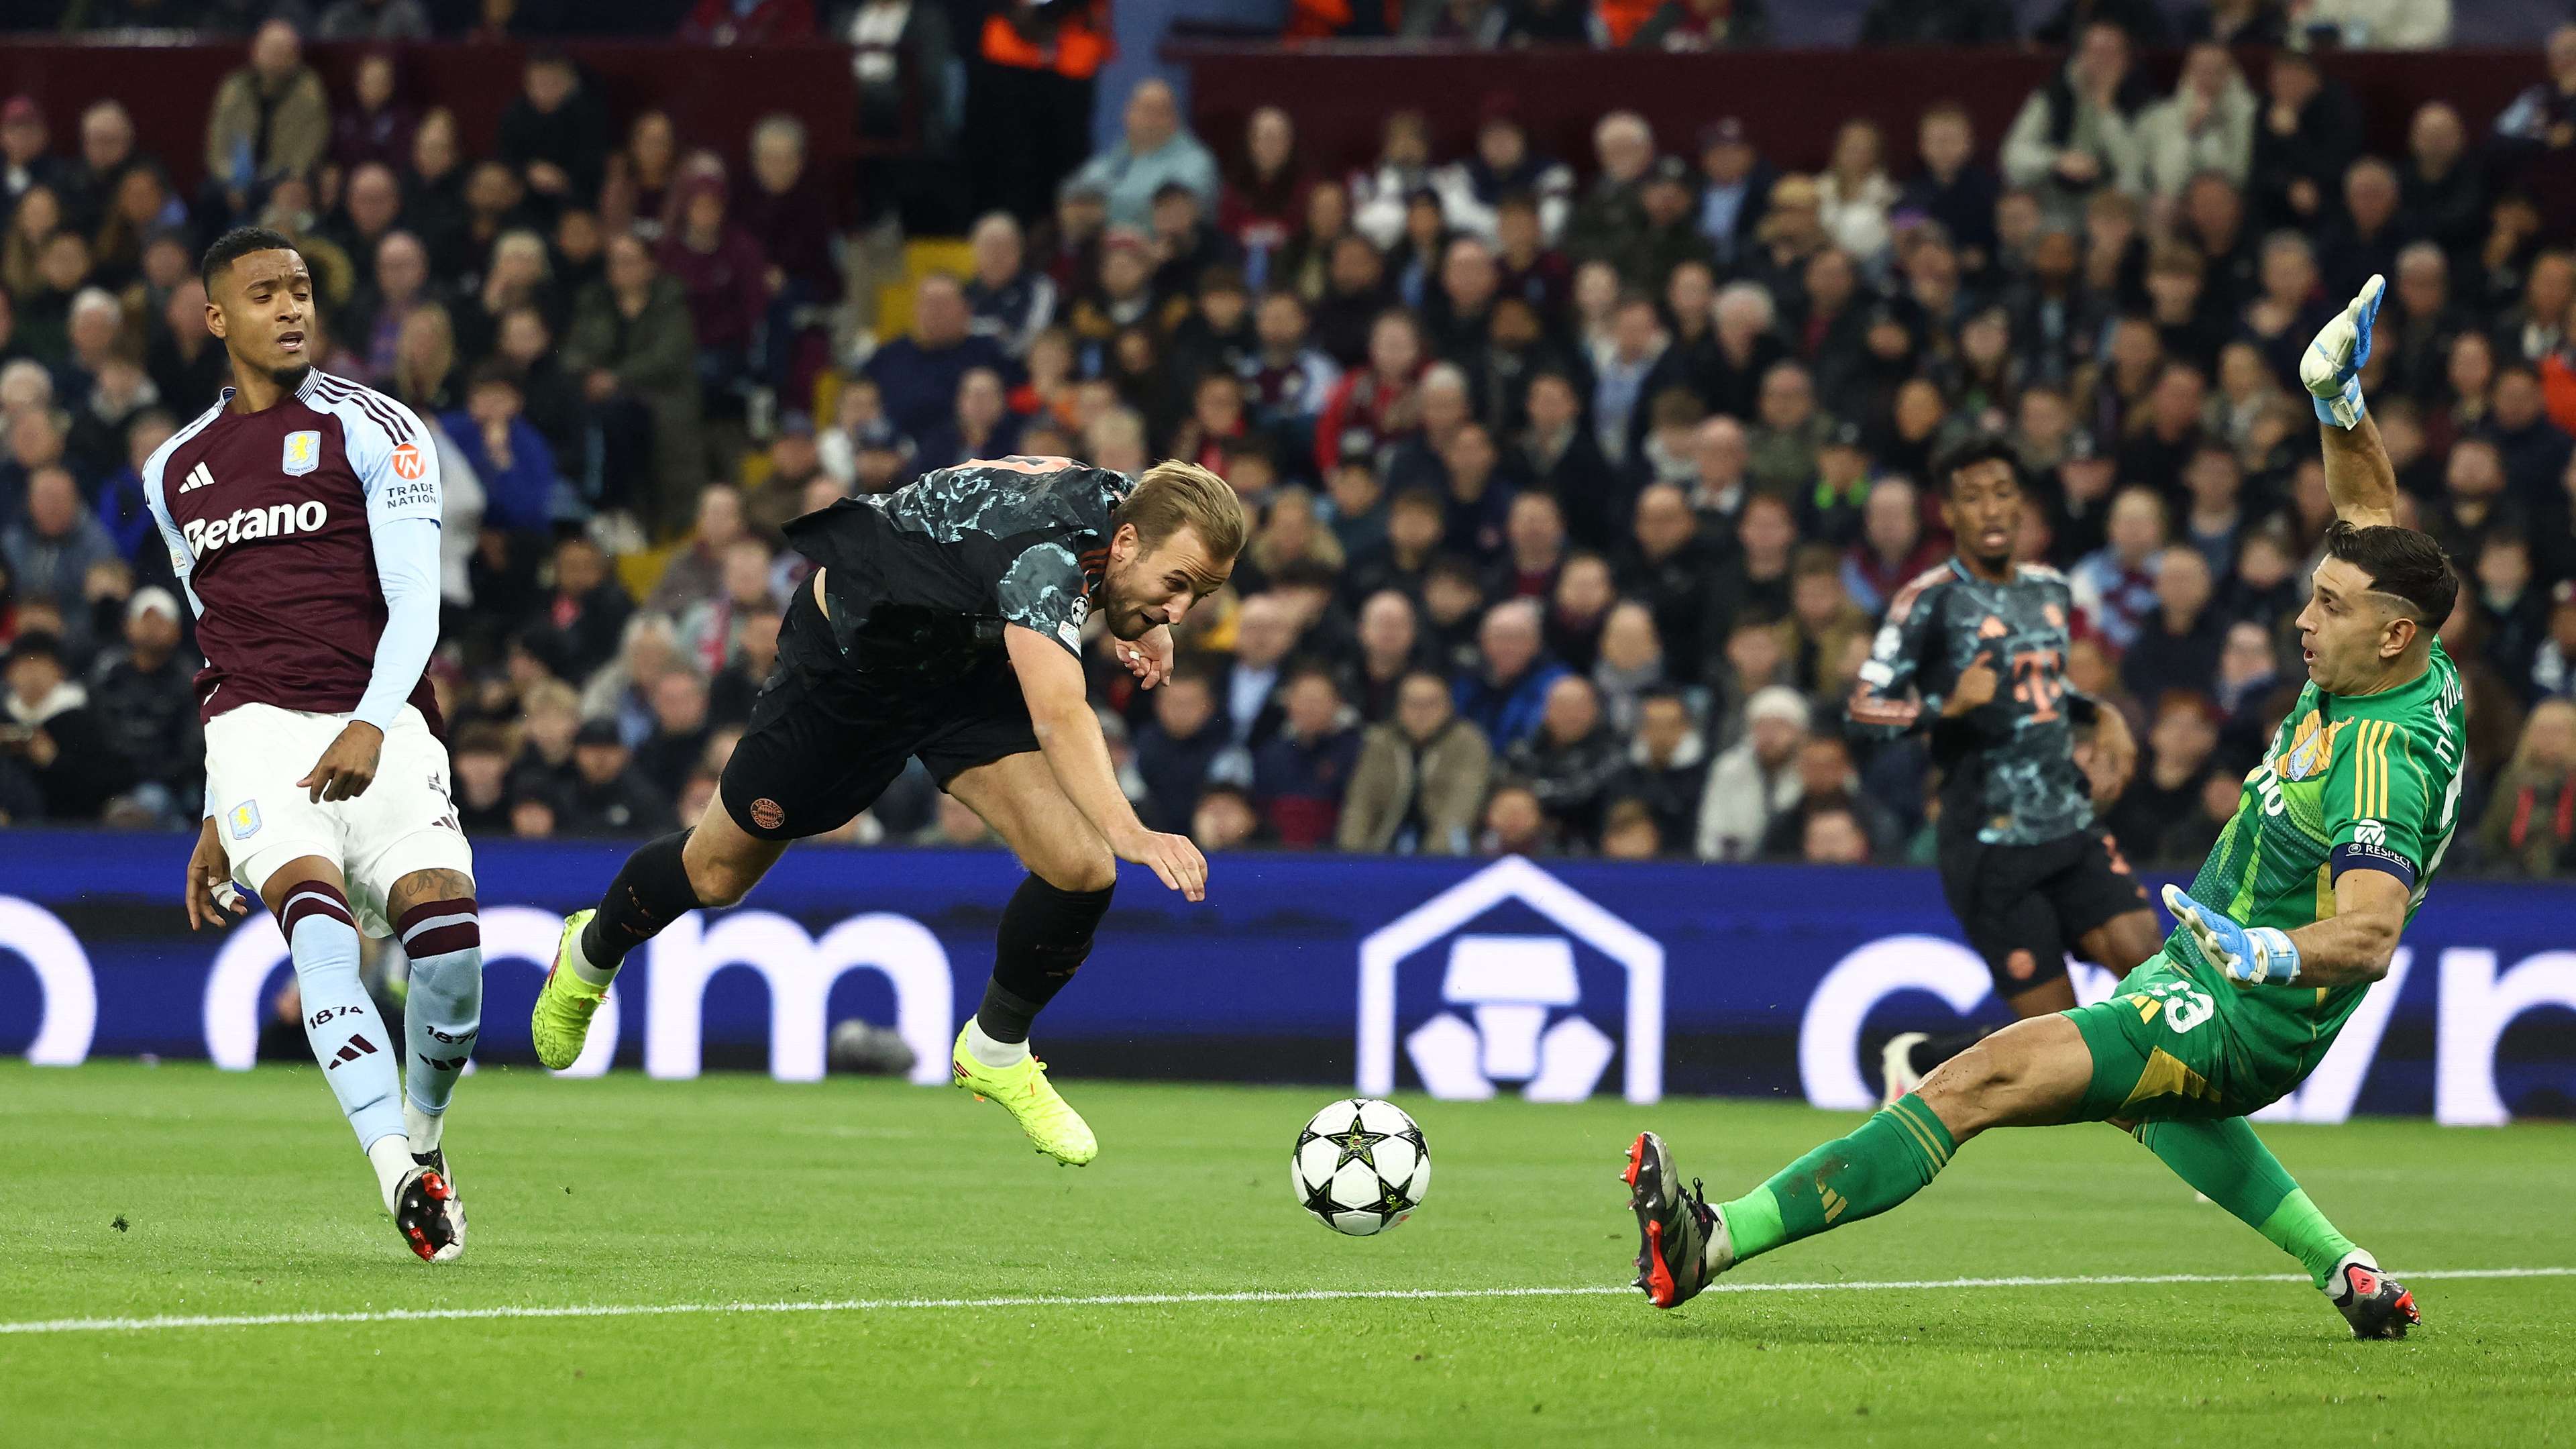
(1044, 937)
(1933, 1051)
(651, 891)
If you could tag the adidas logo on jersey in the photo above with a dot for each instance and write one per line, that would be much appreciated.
(205, 535)
(198, 478)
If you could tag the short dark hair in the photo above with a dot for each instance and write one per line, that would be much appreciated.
(2402, 563)
(1968, 453)
(233, 245)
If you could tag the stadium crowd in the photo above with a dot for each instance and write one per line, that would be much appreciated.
(1580, 482)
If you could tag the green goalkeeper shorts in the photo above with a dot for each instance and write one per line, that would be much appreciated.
(2163, 1047)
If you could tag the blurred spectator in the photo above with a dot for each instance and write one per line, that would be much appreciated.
(1827, 783)
(584, 616)
(632, 346)
(1264, 632)
(377, 125)
(2310, 132)
(607, 795)
(271, 119)
(508, 455)
(1754, 782)
(1610, 216)
(482, 763)
(26, 158)
(1666, 767)
(106, 151)
(671, 752)
(1833, 835)
(1011, 304)
(145, 701)
(2206, 125)
(1515, 825)
(1390, 650)
(2167, 786)
(51, 549)
(1954, 188)
(554, 135)
(1503, 165)
(1224, 818)
(53, 734)
(1570, 761)
(726, 279)
(1506, 695)
(1155, 149)
(2530, 824)
(2177, 647)
(1854, 193)
(918, 375)
(1299, 775)
(1182, 748)
(2080, 131)
(2115, 586)
(372, 20)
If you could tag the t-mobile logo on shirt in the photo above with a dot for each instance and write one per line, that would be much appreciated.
(205, 535)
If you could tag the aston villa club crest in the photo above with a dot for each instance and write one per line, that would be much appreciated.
(245, 819)
(2311, 747)
(303, 453)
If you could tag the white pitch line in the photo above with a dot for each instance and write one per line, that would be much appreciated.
(1130, 1300)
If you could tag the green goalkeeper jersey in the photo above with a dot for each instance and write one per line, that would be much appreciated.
(2366, 782)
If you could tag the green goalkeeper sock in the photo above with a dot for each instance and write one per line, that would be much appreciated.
(1891, 1157)
(2231, 1167)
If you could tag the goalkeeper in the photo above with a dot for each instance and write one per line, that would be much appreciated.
(2336, 837)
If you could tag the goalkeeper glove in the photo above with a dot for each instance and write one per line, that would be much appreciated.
(2331, 367)
(2262, 955)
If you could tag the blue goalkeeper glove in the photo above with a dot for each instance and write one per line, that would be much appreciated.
(2331, 368)
(2262, 955)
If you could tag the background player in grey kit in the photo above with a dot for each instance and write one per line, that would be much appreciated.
(1973, 654)
(944, 621)
(301, 512)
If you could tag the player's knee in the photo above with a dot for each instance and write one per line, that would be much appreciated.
(1081, 868)
(721, 883)
(717, 876)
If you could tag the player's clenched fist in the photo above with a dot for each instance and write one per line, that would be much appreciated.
(1975, 687)
(347, 768)
(1172, 857)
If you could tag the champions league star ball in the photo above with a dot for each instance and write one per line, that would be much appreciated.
(1360, 1166)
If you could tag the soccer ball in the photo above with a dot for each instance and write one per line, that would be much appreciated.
(1360, 1166)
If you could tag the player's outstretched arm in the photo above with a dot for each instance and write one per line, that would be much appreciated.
(2359, 477)
(1069, 736)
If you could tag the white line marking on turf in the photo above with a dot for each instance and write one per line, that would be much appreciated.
(1131, 1300)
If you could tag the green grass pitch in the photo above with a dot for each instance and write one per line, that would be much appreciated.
(130, 1192)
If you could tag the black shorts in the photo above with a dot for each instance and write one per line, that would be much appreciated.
(2025, 906)
(826, 738)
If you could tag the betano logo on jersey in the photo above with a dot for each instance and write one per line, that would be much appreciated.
(206, 535)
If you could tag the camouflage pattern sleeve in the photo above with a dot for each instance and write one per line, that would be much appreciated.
(1043, 590)
(1885, 703)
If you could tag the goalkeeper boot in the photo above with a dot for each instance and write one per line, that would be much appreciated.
(1681, 1241)
(1024, 1091)
(2376, 1305)
(561, 1020)
(425, 1213)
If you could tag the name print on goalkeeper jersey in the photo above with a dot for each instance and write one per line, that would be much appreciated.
(2008, 765)
(2367, 782)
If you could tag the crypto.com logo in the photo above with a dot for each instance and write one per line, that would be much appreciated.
(1510, 987)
